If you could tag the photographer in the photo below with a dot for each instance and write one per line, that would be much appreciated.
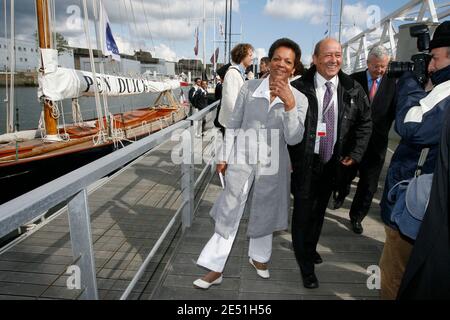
(419, 121)
(427, 273)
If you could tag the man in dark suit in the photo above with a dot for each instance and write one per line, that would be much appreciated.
(337, 131)
(381, 92)
(200, 102)
(192, 91)
(218, 95)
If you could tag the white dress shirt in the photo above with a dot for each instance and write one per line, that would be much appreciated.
(263, 91)
(321, 88)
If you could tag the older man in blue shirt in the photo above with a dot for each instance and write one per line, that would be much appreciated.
(381, 92)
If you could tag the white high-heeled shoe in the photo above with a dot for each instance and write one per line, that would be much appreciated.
(262, 273)
(202, 284)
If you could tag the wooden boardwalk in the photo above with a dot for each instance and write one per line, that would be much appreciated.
(342, 275)
(129, 213)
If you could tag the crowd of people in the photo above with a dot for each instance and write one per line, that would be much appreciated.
(332, 127)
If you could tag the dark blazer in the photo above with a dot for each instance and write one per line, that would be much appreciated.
(200, 99)
(218, 91)
(382, 110)
(354, 127)
(191, 94)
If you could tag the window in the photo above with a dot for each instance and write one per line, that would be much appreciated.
(20, 48)
(21, 59)
(26, 60)
(24, 49)
(31, 49)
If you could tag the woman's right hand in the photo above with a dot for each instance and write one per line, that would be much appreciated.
(221, 167)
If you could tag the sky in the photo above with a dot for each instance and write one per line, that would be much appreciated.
(166, 28)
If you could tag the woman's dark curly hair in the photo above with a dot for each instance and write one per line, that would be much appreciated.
(288, 43)
(240, 51)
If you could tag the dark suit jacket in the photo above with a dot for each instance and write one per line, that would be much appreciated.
(200, 99)
(382, 110)
(191, 94)
(218, 91)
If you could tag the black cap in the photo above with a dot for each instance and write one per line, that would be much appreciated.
(441, 37)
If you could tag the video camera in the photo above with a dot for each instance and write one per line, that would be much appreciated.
(420, 61)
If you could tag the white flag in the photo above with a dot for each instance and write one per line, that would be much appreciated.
(221, 29)
(109, 46)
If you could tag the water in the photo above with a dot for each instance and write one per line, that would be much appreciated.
(30, 108)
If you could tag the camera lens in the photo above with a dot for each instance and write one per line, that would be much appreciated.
(396, 68)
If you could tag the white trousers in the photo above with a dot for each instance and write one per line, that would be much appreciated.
(198, 125)
(215, 253)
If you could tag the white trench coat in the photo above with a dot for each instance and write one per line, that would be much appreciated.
(267, 128)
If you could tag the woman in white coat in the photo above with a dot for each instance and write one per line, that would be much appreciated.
(269, 114)
(242, 58)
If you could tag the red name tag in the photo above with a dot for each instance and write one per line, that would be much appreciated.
(321, 129)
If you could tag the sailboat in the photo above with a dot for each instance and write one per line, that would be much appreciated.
(31, 158)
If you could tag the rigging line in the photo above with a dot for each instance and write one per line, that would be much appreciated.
(164, 15)
(99, 35)
(52, 21)
(122, 33)
(135, 25)
(148, 25)
(129, 28)
(171, 42)
(6, 65)
(126, 22)
(138, 34)
(94, 75)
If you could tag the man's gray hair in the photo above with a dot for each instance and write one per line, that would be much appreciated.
(378, 52)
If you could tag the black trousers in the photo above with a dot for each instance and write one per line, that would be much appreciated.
(309, 213)
(369, 173)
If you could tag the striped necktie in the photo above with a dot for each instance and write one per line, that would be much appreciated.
(327, 142)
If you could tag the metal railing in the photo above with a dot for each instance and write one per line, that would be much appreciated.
(72, 187)
(385, 31)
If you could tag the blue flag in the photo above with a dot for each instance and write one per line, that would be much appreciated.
(109, 46)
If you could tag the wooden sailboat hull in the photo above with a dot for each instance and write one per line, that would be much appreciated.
(28, 168)
(28, 175)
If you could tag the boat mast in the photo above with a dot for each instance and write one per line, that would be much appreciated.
(229, 31)
(45, 42)
(226, 30)
(340, 21)
(214, 42)
(204, 38)
(12, 71)
(331, 17)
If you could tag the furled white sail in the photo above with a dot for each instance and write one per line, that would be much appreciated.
(68, 83)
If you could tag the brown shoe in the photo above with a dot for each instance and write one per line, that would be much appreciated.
(208, 280)
(261, 268)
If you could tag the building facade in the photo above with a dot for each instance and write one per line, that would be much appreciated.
(27, 55)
